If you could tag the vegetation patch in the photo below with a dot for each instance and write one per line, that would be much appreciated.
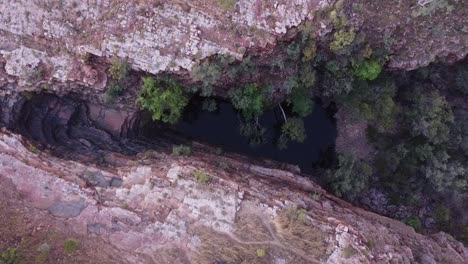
(202, 177)
(9, 256)
(181, 150)
(70, 246)
(165, 103)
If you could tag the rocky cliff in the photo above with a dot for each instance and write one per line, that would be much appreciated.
(207, 208)
(123, 203)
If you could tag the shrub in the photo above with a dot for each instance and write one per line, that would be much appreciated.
(209, 105)
(71, 246)
(293, 130)
(461, 79)
(9, 256)
(201, 177)
(368, 70)
(208, 73)
(167, 104)
(227, 5)
(260, 252)
(254, 132)
(119, 70)
(342, 39)
(441, 214)
(181, 150)
(349, 251)
(249, 100)
(414, 222)
(350, 178)
(430, 116)
(301, 102)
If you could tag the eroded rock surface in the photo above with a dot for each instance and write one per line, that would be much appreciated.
(160, 213)
(51, 40)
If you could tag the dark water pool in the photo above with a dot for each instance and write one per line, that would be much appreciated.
(222, 128)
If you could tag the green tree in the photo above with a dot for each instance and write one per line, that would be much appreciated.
(350, 178)
(430, 116)
(249, 100)
(368, 70)
(293, 129)
(119, 70)
(302, 103)
(254, 132)
(165, 104)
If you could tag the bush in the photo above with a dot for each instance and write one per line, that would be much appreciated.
(342, 39)
(209, 105)
(9, 257)
(249, 100)
(119, 70)
(293, 130)
(350, 178)
(181, 150)
(430, 116)
(260, 252)
(166, 104)
(201, 177)
(71, 246)
(227, 5)
(368, 70)
(414, 222)
(208, 73)
(301, 102)
(254, 132)
(461, 79)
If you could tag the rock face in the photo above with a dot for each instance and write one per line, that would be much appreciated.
(154, 36)
(158, 209)
(52, 40)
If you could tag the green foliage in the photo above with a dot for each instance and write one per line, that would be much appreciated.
(181, 150)
(208, 73)
(337, 79)
(166, 104)
(261, 252)
(201, 177)
(368, 70)
(9, 256)
(209, 105)
(459, 132)
(342, 39)
(461, 79)
(414, 222)
(114, 90)
(254, 132)
(446, 174)
(302, 103)
(293, 130)
(373, 102)
(430, 116)
(119, 70)
(350, 178)
(42, 257)
(71, 246)
(349, 251)
(249, 100)
(441, 214)
(309, 51)
(227, 5)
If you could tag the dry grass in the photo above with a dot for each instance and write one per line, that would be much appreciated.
(221, 248)
(251, 228)
(295, 231)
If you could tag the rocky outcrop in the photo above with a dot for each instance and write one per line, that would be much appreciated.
(52, 40)
(157, 208)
